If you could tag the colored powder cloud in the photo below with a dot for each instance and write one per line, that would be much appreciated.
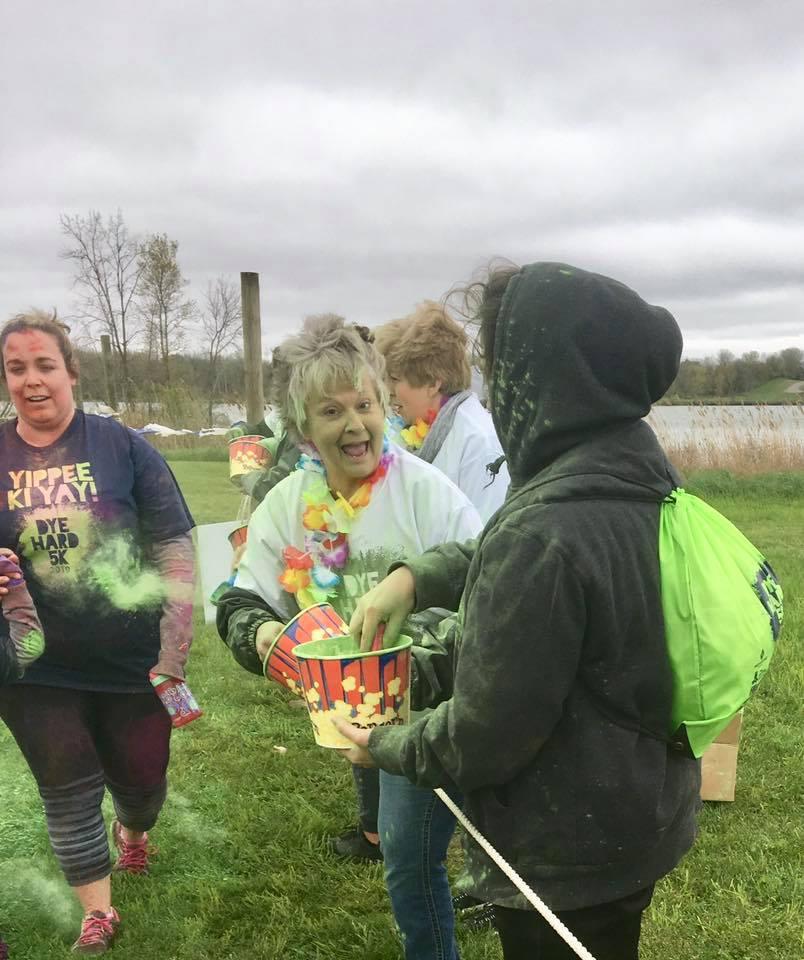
(117, 572)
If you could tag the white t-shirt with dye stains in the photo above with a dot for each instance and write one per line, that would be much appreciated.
(469, 447)
(414, 507)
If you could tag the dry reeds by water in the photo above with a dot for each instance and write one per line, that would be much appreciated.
(180, 408)
(742, 440)
(173, 405)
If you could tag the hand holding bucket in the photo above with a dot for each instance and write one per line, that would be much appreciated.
(386, 607)
(246, 454)
(376, 643)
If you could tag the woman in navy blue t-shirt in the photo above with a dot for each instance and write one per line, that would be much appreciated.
(103, 538)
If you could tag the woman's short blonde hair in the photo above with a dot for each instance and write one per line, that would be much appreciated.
(44, 322)
(427, 347)
(326, 355)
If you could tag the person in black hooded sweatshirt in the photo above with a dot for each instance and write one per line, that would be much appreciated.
(552, 697)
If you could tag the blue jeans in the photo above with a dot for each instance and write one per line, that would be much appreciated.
(415, 830)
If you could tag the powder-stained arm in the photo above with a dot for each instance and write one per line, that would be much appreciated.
(175, 560)
(239, 615)
(523, 630)
(432, 667)
(440, 574)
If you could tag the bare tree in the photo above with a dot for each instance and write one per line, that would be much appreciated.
(108, 272)
(221, 323)
(164, 307)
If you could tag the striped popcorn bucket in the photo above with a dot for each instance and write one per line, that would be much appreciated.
(247, 454)
(368, 689)
(313, 623)
(238, 536)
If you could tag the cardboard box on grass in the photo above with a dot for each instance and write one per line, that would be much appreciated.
(719, 763)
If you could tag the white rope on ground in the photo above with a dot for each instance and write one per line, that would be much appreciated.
(566, 935)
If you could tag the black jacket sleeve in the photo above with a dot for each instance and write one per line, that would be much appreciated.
(515, 664)
(239, 615)
(432, 657)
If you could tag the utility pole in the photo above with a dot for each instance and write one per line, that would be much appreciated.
(252, 346)
(108, 373)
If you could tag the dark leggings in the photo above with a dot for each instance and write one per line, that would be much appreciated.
(609, 931)
(78, 742)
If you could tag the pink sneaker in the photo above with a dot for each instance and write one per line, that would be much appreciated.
(98, 930)
(132, 857)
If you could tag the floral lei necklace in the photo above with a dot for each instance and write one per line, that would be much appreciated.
(415, 434)
(312, 574)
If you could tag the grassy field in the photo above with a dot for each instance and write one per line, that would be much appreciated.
(243, 869)
(772, 391)
(775, 391)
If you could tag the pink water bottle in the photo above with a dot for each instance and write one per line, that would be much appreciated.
(177, 699)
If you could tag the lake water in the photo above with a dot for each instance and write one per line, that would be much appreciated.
(720, 425)
(710, 426)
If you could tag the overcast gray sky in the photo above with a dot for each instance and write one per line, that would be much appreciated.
(364, 155)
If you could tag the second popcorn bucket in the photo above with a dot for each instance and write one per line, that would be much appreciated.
(368, 689)
(246, 454)
(312, 623)
(238, 536)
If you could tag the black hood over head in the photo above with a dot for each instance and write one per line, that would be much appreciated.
(575, 354)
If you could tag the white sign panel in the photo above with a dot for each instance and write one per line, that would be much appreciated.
(214, 559)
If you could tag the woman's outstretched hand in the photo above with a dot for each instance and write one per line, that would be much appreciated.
(389, 602)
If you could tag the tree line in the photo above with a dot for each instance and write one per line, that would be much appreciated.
(131, 288)
(727, 375)
(189, 388)
(164, 344)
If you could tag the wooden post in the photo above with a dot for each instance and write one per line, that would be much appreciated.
(78, 395)
(252, 346)
(108, 371)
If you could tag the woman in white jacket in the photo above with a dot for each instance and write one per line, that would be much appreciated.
(427, 362)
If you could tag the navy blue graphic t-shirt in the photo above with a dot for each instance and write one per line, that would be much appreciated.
(83, 514)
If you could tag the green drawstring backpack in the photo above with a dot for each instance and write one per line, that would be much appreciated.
(723, 612)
